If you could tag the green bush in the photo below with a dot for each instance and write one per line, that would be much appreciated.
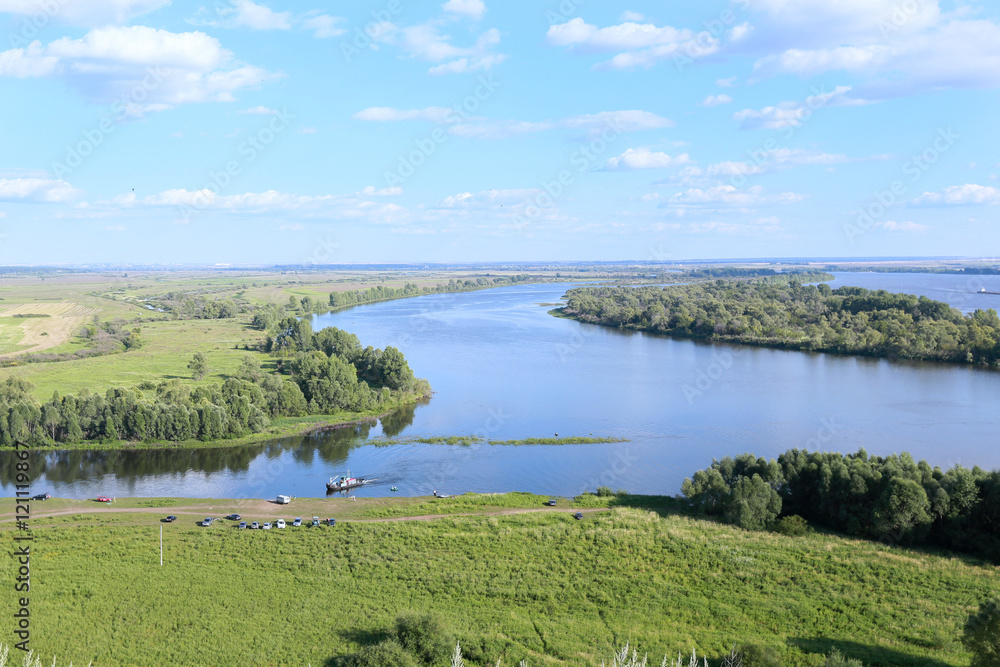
(755, 655)
(387, 653)
(982, 635)
(424, 637)
(838, 659)
(793, 526)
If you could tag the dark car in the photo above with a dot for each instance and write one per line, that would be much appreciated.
(170, 519)
(331, 522)
(243, 524)
(42, 496)
(233, 517)
(552, 502)
(578, 515)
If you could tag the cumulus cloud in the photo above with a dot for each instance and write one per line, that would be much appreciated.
(243, 14)
(480, 128)
(643, 158)
(109, 64)
(425, 42)
(728, 195)
(793, 113)
(907, 226)
(716, 100)
(637, 44)
(324, 26)
(44, 190)
(86, 13)
(961, 195)
(473, 9)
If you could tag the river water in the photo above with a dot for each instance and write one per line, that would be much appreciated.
(502, 368)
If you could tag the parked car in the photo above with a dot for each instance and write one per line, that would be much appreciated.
(280, 523)
(297, 522)
(243, 524)
(331, 522)
(284, 500)
(315, 521)
(267, 525)
(207, 522)
(42, 496)
(578, 515)
(552, 502)
(234, 517)
(170, 519)
(103, 499)
(254, 526)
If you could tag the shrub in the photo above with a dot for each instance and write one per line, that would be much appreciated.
(793, 526)
(424, 637)
(755, 655)
(982, 635)
(387, 653)
(838, 659)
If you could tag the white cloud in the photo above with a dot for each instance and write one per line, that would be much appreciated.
(473, 9)
(372, 191)
(490, 199)
(961, 195)
(631, 17)
(643, 158)
(324, 26)
(793, 113)
(638, 44)
(87, 13)
(260, 111)
(243, 14)
(727, 195)
(192, 202)
(479, 128)
(388, 114)
(110, 64)
(44, 190)
(726, 83)
(424, 42)
(716, 100)
(900, 48)
(907, 226)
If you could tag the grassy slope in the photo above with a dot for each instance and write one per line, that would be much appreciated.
(536, 586)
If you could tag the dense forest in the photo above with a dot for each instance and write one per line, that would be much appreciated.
(782, 312)
(328, 372)
(892, 499)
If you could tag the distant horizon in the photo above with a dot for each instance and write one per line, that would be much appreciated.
(528, 262)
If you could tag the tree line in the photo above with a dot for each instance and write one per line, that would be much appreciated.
(893, 499)
(329, 373)
(782, 312)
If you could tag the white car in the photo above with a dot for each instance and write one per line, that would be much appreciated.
(297, 522)
(280, 523)
(267, 526)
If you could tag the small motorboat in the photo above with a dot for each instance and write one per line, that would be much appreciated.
(346, 482)
(394, 489)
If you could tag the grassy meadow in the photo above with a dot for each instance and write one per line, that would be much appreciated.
(537, 586)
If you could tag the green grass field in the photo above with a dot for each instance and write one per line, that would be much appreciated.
(542, 586)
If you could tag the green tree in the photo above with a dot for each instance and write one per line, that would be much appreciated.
(387, 653)
(249, 369)
(901, 509)
(982, 634)
(838, 659)
(424, 637)
(753, 504)
(198, 366)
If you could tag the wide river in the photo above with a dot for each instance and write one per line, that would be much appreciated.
(502, 368)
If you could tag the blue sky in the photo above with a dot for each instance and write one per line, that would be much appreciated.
(470, 130)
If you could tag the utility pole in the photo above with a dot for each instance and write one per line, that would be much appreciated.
(161, 545)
